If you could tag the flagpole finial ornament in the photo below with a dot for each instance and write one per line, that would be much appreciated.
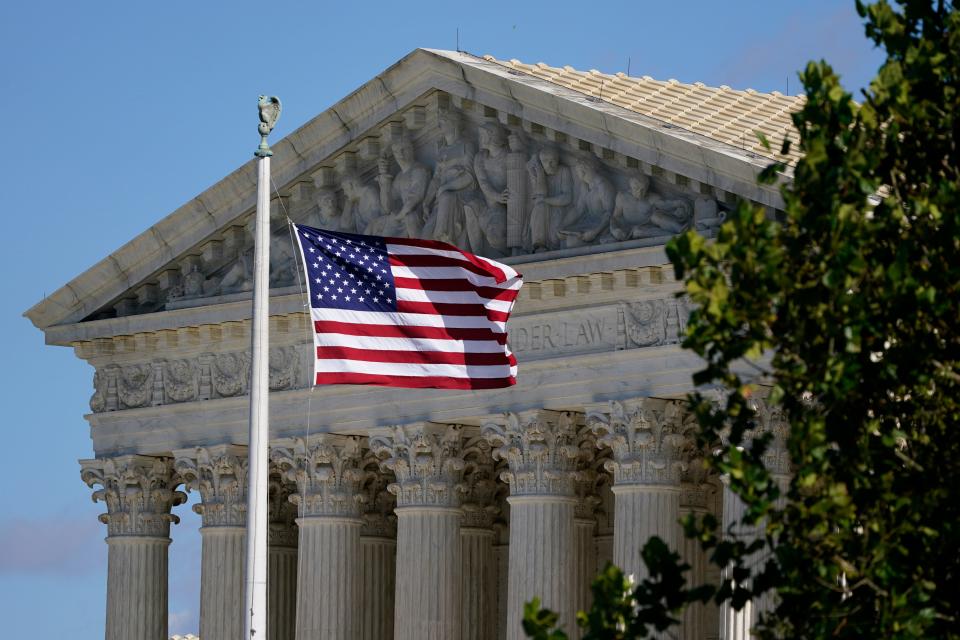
(269, 107)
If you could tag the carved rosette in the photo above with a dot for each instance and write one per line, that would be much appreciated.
(540, 448)
(219, 473)
(479, 485)
(379, 520)
(647, 439)
(283, 513)
(139, 492)
(326, 471)
(427, 460)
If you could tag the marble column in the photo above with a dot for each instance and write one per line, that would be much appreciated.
(378, 554)
(282, 562)
(428, 463)
(696, 495)
(645, 437)
(501, 554)
(603, 541)
(326, 471)
(139, 492)
(479, 574)
(541, 453)
(219, 473)
(585, 550)
(736, 625)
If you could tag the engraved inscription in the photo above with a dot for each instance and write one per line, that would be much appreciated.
(568, 332)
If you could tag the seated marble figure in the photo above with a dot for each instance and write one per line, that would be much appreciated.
(589, 219)
(640, 214)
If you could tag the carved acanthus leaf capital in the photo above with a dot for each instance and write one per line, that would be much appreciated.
(479, 485)
(647, 438)
(325, 468)
(283, 513)
(427, 460)
(379, 521)
(771, 419)
(139, 492)
(540, 448)
(219, 473)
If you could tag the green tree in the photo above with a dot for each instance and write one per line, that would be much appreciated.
(855, 296)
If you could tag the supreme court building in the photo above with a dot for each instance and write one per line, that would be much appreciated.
(425, 514)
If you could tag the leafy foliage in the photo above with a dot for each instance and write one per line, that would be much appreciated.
(854, 295)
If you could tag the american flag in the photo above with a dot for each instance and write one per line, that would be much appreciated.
(407, 313)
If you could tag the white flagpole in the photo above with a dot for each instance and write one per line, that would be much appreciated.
(255, 585)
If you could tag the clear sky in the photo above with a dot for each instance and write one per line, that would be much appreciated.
(116, 113)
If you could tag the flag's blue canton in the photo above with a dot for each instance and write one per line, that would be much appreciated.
(347, 271)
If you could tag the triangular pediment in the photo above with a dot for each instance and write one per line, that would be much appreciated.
(443, 145)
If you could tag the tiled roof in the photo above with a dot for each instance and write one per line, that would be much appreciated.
(721, 113)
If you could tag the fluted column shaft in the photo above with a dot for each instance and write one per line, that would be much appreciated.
(585, 565)
(541, 558)
(428, 574)
(735, 625)
(693, 623)
(221, 582)
(641, 512)
(328, 585)
(137, 571)
(479, 584)
(139, 493)
(378, 558)
(281, 592)
(502, 554)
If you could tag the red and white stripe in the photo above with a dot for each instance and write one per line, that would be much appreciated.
(449, 330)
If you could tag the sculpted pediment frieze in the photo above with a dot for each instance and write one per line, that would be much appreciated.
(460, 172)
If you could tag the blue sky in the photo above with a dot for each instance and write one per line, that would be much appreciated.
(116, 113)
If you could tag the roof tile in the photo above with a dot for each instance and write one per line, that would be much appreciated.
(728, 115)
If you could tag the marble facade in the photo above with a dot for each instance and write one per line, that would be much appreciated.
(415, 514)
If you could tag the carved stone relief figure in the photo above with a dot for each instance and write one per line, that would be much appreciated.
(591, 215)
(326, 215)
(453, 184)
(283, 264)
(518, 206)
(401, 196)
(551, 188)
(361, 209)
(707, 218)
(487, 219)
(640, 214)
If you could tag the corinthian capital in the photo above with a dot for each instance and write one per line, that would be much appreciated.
(771, 419)
(326, 471)
(139, 492)
(647, 438)
(479, 485)
(540, 448)
(379, 520)
(427, 459)
(219, 473)
(283, 513)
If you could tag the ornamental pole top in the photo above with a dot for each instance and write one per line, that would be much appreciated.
(269, 107)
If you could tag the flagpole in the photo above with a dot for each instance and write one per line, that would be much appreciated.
(255, 580)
